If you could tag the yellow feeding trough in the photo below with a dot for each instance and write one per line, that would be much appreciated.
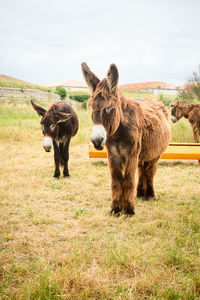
(173, 151)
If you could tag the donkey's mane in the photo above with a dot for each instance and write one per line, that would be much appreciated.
(102, 86)
(188, 104)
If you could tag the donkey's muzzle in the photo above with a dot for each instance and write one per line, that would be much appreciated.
(174, 119)
(98, 137)
(47, 149)
(97, 142)
(47, 145)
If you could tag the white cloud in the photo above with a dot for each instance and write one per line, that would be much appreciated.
(43, 41)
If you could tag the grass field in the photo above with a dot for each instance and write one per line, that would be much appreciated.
(57, 239)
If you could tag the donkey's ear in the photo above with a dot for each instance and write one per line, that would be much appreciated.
(175, 104)
(112, 77)
(41, 111)
(62, 117)
(91, 79)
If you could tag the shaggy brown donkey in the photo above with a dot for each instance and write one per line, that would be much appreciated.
(59, 124)
(136, 133)
(190, 111)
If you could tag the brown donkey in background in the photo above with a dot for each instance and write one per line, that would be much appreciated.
(136, 133)
(190, 111)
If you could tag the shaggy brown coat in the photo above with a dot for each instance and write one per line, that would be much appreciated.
(137, 132)
(190, 111)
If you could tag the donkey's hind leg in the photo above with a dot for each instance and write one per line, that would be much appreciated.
(146, 176)
(142, 184)
(150, 171)
(196, 132)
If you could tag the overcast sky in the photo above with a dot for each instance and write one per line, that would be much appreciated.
(46, 40)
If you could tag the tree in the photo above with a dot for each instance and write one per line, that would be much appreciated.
(192, 87)
(61, 92)
(195, 84)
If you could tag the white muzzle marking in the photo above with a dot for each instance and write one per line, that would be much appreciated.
(47, 143)
(174, 119)
(99, 133)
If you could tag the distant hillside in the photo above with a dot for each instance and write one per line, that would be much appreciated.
(11, 82)
(147, 85)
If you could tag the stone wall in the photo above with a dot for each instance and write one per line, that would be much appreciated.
(27, 94)
(154, 91)
(173, 92)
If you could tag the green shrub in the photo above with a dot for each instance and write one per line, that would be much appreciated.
(61, 92)
(84, 104)
(164, 100)
(80, 97)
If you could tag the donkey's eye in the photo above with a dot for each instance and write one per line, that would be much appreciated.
(109, 109)
(42, 128)
(96, 116)
(52, 127)
(173, 110)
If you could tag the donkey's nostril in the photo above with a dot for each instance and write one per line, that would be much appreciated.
(174, 120)
(97, 142)
(47, 148)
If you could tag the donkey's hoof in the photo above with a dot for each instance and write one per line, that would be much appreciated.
(140, 194)
(140, 197)
(115, 211)
(66, 176)
(150, 194)
(55, 178)
(150, 198)
(129, 211)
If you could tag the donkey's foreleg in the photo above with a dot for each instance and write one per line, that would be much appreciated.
(116, 186)
(65, 157)
(128, 186)
(117, 196)
(57, 158)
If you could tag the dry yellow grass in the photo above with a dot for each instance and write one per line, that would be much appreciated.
(58, 241)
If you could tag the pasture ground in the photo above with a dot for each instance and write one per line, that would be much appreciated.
(57, 239)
